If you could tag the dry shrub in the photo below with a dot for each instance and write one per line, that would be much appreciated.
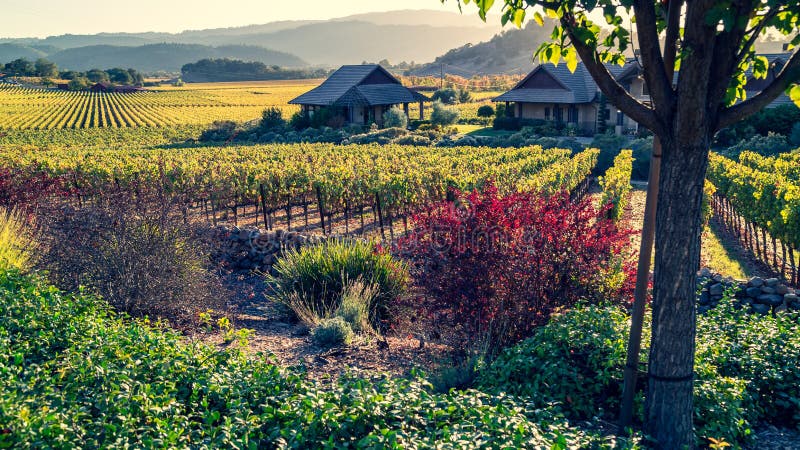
(141, 257)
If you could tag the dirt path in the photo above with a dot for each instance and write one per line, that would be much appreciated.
(718, 251)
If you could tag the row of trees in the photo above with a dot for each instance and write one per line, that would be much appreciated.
(47, 69)
(224, 69)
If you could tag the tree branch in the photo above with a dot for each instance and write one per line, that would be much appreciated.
(655, 73)
(609, 86)
(755, 32)
(671, 38)
(725, 60)
(788, 75)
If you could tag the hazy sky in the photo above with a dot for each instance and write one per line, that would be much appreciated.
(40, 18)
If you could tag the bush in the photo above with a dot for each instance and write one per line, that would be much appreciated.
(395, 118)
(141, 260)
(221, 130)
(271, 118)
(642, 152)
(420, 141)
(610, 145)
(499, 266)
(769, 145)
(745, 366)
(313, 278)
(357, 298)
(332, 332)
(464, 96)
(17, 243)
(442, 115)
(448, 96)
(486, 111)
(299, 121)
(794, 135)
(88, 371)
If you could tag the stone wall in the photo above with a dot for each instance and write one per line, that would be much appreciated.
(757, 294)
(246, 249)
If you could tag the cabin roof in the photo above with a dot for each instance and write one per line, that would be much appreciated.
(351, 85)
(573, 87)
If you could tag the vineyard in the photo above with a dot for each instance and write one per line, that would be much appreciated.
(39, 109)
(304, 181)
(193, 104)
(758, 201)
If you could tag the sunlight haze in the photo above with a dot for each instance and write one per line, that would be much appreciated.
(40, 18)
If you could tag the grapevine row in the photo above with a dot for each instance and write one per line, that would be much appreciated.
(767, 203)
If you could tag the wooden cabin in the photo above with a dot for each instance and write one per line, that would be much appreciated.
(362, 93)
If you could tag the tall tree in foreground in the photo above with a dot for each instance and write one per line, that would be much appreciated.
(711, 44)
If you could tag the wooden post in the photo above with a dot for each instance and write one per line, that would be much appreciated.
(421, 110)
(288, 212)
(405, 110)
(321, 211)
(380, 215)
(267, 222)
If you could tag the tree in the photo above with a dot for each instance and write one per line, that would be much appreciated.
(78, 84)
(96, 76)
(464, 96)
(486, 111)
(447, 95)
(119, 75)
(137, 79)
(45, 68)
(20, 67)
(716, 41)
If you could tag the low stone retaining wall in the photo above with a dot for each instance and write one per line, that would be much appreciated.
(758, 295)
(246, 249)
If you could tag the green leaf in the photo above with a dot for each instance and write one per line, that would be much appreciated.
(571, 57)
(483, 6)
(794, 94)
(538, 18)
(519, 16)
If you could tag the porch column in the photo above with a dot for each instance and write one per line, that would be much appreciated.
(519, 110)
(421, 110)
(509, 111)
(405, 108)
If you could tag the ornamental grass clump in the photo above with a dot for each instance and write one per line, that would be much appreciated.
(312, 281)
(16, 240)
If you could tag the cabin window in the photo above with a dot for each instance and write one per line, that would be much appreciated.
(620, 118)
(558, 114)
(547, 114)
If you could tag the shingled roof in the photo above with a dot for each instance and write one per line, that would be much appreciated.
(365, 84)
(569, 87)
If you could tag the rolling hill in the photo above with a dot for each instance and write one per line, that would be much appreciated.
(397, 36)
(165, 57)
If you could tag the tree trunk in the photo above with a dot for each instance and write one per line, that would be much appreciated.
(678, 223)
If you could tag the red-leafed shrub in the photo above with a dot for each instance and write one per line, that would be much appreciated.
(496, 267)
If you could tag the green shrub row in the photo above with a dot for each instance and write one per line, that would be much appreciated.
(75, 375)
(616, 184)
(745, 366)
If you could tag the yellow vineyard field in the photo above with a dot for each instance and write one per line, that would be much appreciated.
(193, 104)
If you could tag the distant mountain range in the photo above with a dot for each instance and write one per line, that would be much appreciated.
(511, 52)
(397, 36)
(165, 57)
